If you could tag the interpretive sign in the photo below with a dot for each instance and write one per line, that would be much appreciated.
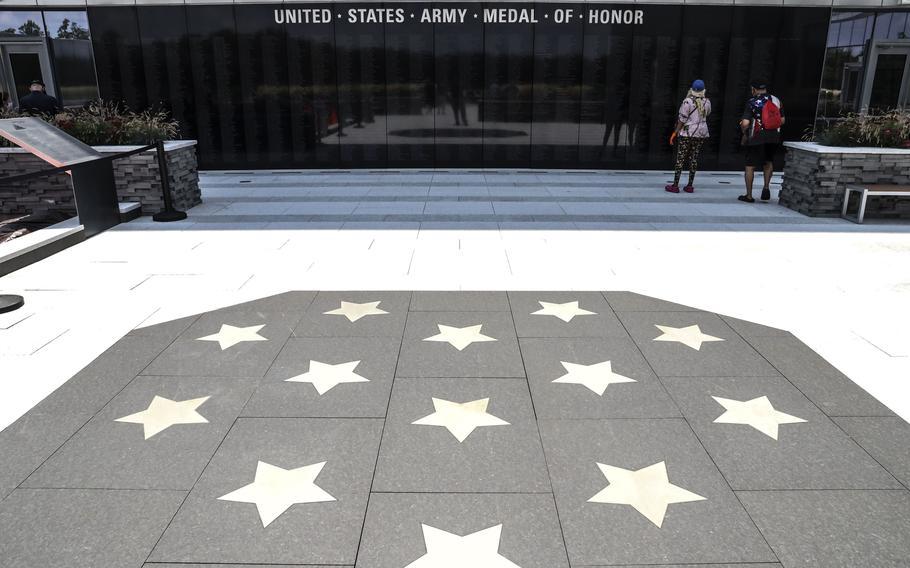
(45, 141)
(93, 180)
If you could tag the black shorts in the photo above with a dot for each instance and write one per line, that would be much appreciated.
(757, 155)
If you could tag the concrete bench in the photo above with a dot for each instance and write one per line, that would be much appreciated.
(872, 190)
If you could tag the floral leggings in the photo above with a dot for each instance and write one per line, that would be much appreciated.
(687, 155)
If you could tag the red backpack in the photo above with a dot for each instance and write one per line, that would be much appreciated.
(770, 115)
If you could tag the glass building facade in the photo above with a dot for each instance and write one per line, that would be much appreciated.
(423, 85)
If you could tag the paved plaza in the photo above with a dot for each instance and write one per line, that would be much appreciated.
(435, 429)
(525, 369)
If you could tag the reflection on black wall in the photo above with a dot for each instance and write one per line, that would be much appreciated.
(508, 78)
(564, 91)
(118, 55)
(556, 99)
(215, 69)
(264, 92)
(313, 94)
(360, 56)
(606, 130)
(74, 69)
(459, 66)
(166, 58)
(410, 91)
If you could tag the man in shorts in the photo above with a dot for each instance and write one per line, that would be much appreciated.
(760, 143)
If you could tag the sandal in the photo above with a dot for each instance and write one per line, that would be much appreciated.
(765, 194)
(746, 198)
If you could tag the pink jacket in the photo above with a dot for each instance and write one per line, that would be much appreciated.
(694, 124)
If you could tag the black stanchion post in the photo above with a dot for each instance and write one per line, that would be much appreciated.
(168, 213)
(10, 302)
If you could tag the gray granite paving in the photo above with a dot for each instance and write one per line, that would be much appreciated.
(887, 439)
(393, 536)
(827, 387)
(501, 467)
(377, 356)
(65, 528)
(422, 358)
(207, 529)
(727, 358)
(602, 323)
(544, 358)
(190, 355)
(503, 458)
(316, 323)
(715, 530)
(814, 454)
(171, 459)
(828, 529)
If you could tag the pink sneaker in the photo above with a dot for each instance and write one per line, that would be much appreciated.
(688, 189)
(672, 188)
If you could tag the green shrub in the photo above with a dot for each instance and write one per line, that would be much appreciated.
(101, 124)
(890, 129)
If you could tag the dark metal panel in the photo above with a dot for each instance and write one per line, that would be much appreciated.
(166, 61)
(213, 58)
(410, 89)
(459, 58)
(313, 86)
(508, 81)
(265, 86)
(705, 55)
(605, 132)
(360, 56)
(556, 107)
(118, 55)
(264, 94)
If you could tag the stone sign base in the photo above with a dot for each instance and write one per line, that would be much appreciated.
(816, 176)
(136, 177)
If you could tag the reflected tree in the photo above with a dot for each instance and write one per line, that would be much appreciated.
(30, 28)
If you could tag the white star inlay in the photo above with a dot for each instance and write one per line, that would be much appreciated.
(163, 413)
(460, 418)
(325, 376)
(275, 489)
(689, 336)
(565, 311)
(229, 336)
(447, 550)
(459, 337)
(757, 413)
(648, 490)
(596, 377)
(354, 311)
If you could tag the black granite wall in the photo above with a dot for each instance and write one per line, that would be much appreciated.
(352, 86)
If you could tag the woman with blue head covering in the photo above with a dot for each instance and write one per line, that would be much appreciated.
(692, 131)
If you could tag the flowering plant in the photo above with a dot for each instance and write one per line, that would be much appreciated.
(106, 123)
(889, 129)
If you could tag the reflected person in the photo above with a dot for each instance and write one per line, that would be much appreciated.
(457, 97)
(38, 102)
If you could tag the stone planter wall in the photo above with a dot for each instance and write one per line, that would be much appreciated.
(136, 178)
(34, 195)
(815, 178)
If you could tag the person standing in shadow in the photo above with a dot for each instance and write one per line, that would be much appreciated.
(692, 131)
